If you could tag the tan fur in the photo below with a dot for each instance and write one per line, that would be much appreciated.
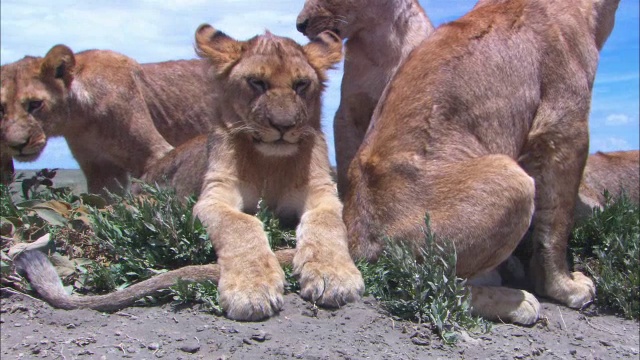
(117, 116)
(485, 122)
(380, 35)
(617, 172)
(266, 143)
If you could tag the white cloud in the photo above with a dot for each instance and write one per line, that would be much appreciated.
(609, 143)
(617, 119)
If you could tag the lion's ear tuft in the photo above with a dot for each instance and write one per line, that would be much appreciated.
(222, 50)
(59, 64)
(324, 51)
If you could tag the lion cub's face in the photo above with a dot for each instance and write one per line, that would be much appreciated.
(271, 85)
(339, 16)
(32, 90)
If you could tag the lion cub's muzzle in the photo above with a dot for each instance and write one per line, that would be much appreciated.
(29, 149)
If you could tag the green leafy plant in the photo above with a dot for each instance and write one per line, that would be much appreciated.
(205, 292)
(422, 288)
(151, 234)
(607, 246)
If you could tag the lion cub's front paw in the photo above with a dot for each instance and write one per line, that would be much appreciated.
(575, 290)
(251, 296)
(331, 285)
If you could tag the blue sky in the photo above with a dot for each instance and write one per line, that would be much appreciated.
(159, 30)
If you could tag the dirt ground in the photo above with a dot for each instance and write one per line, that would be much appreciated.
(32, 329)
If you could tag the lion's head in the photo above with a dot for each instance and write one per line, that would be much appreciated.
(32, 95)
(341, 16)
(270, 86)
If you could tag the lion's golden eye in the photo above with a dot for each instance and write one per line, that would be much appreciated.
(34, 105)
(258, 85)
(300, 86)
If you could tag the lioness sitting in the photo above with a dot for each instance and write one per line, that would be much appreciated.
(380, 35)
(266, 142)
(482, 108)
(117, 116)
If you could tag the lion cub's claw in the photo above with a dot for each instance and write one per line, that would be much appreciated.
(249, 296)
(330, 285)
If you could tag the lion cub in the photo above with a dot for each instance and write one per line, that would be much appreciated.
(380, 35)
(117, 116)
(266, 143)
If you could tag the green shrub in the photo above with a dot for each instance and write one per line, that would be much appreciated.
(150, 234)
(607, 246)
(425, 289)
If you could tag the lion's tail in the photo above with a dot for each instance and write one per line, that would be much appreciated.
(44, 279)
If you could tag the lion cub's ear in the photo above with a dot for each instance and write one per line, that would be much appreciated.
(324, 51)
(58, 64)
(222, 50)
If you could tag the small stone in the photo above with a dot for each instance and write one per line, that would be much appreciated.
(308, 313)
(200, 329)
(606, 343)
(71, 326)
(153, 346)
(420, 341)
(17, 324)
(190, 348)
(36, 350)
(261, 336)
(573, 351)
(579, 337)
(247, 341)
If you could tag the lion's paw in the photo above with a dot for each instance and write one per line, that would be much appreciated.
(330, 285)
(574, 291)
(505, 304)
(249, 296)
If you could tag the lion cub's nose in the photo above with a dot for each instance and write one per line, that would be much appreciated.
(282, 125)
(302, 26)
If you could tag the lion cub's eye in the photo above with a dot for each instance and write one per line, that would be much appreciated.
(258, 85)
(300, 86)
(34, 105)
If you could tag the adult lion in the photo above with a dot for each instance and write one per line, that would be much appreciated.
(485, 122)
(117, 116)
(380, 35)
(266, 143)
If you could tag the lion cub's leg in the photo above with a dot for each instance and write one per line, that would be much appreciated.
(557, 172)
(104, 176)
(251, 281)
(328, 275)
